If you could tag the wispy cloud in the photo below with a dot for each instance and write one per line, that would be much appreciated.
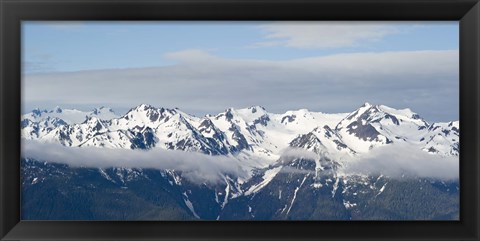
(194, 56)
(323, 34)
(195, 166)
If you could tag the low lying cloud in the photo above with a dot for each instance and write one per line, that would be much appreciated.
(196, 167)
(403, 160)
(395, 161)
(291, 153)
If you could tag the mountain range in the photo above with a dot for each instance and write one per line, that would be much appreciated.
(297, 164)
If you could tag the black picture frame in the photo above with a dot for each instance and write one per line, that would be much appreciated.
(15, 11)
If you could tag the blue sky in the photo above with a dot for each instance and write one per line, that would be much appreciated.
(74, 46)
(66, 54)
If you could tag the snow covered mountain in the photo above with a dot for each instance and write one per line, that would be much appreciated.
(294, 159)
(251, 131)
(38, 123)
(70, 116)
(443, 138)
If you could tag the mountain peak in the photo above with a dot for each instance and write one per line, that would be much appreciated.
(366, 104)
(369, 112)
(360, 111)
(37, 112)
(97, 111)
(405, 113)
(256, 108)
(90, 120)
(303, 110)
(57, 109)
(229, 113)
(143, 107)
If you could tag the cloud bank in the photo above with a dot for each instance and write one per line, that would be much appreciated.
(291, 153)
(395, 161)
(200, 83)
(195, 166)
(404, 161)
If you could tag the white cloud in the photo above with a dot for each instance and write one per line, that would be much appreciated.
(425, 81)
(195, 166)
(403, 160)
(191, 56)
(395, 161)
(292, 153)
(323, 34)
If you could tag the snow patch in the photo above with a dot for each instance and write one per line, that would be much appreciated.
(295, 193)
(348, 205)
(189, 205)
(267, 177)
